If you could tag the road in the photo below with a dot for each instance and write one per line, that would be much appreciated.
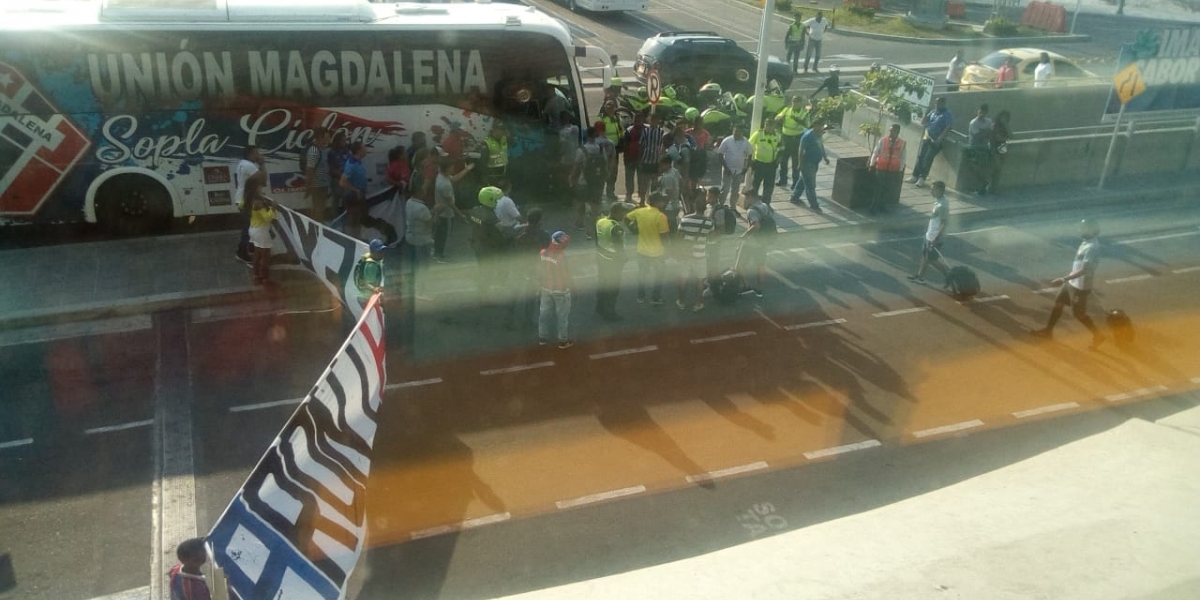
(618, 452)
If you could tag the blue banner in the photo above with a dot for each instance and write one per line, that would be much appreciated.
(1169, 64)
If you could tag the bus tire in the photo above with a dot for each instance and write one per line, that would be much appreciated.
(571, 5)
(131, 205)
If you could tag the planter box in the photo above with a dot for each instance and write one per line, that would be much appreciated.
(855, 187)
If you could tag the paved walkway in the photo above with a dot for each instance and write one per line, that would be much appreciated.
(56, 284)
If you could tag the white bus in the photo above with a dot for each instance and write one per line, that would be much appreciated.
(606, 5)
(129, 116)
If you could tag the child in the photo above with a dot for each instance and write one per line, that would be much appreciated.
(556, 290)
(262, 212)
(187, 582)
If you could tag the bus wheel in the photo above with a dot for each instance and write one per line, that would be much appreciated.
(130, 205)
(571, 5)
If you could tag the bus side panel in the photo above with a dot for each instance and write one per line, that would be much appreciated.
(185, 104)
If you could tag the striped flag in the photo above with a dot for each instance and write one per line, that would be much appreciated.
(295, 529)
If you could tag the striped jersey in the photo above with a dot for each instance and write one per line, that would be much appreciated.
(652, 144)
(555, 276)
(695, 229)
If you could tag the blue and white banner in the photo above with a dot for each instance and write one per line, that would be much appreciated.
(296, 527)
(1168, 68)
(330, 254)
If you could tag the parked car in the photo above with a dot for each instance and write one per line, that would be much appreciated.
(982, 74)
(689, 59)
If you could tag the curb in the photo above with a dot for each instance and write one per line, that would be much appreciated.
(1078, 37)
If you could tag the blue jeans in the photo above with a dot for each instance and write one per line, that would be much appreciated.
(925, 156)
(807, 184)
(554, 305)
(814, 46)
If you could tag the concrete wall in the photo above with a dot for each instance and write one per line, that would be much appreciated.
(1034, 109)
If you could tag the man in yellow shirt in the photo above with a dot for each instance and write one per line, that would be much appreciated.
(650, 223)
(766, 145)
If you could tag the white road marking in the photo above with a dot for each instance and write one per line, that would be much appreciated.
(600, 497)
(1041, 410)
(1048, 290)
(16, 443)
(721, 338)
(1155, 238)
(840, 245)
(121, 427)
(66, 331)
(518, 368)
(1141, 277)
(411, 384)
(767, 319)
(814, 324)
(985, 299)
(625, 352)
(948, 428)
(822, 453)
(1186, 270)
(784, 280)
(468, 524)
(142, 593)
(262, 405)
(719, 473)
(1135, 393)
(903, 311)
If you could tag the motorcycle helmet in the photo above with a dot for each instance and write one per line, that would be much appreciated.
(711, 88)
(669, 92)
(691, 114)
(489, 195)
(641, 93)
(740, 101)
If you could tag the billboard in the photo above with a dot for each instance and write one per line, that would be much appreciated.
(1164, 67)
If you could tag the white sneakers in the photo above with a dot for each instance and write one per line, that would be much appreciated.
(912, 179)
(921, 182)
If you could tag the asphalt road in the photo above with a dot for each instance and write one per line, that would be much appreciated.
(612, 454)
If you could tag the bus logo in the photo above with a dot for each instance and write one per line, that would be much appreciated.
(38, 146)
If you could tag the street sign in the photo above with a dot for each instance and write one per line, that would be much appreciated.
(1129, 83)
(653, 86)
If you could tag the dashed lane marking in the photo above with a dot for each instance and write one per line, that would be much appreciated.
(719, 473)
(121, 427)
(1135, 393)
(791, 285)
(1041, 410)
(625, 352)
(1048, 290)
(467, 524)
(903, 311)
(412, 384)
(1141, 277)
(15, 443)
(600, 497)
(1155, 238)
(517, 368)
(721, 338)
(262, 405)
(824, 323)
(948, 428)
(142, 593)
(984, 299)
(1186, 270)
(767, 319)
(822, 453)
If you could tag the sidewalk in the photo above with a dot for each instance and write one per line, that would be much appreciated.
(58, 284)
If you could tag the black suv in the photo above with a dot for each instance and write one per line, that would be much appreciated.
(694, 58)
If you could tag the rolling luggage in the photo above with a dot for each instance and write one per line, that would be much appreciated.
(1121, 327)
(730, 284)
(962, 283)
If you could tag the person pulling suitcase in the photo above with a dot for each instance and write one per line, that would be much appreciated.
(1077, 285)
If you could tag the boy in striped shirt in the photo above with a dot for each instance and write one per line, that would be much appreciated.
(694, 228)
(556, 290)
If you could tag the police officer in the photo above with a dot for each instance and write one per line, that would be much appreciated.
(612, 131)
(793, 121)
(496, 158)
(766, 144)
(610, 259)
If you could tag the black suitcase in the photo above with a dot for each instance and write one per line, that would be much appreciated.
(1120, 325)
(726, 289)
(962, 282)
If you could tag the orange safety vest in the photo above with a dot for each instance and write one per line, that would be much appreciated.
(889, 155)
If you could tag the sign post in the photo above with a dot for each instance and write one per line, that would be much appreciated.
(653, 88)
(1127, 84)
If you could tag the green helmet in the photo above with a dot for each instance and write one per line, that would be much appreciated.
(669, 92)
(739, 100)
(489, 195)
(691, 114)
(641, 93)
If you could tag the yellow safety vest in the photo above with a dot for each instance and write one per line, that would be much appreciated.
(497, 152)
(795, 32)
(612, 128)
(604, 237)
(766, 146)
(794, 122)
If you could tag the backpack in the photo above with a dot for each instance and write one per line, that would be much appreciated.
(595, 168)
(725, 219)
(766, 222)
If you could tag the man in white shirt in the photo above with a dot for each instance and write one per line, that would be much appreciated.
(507, 213)
(931, 253)
(1043, 72)
(612, 81)
(251, 163)
(955, 71)
(1077, 285)
(735, 152)
(816, 27)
